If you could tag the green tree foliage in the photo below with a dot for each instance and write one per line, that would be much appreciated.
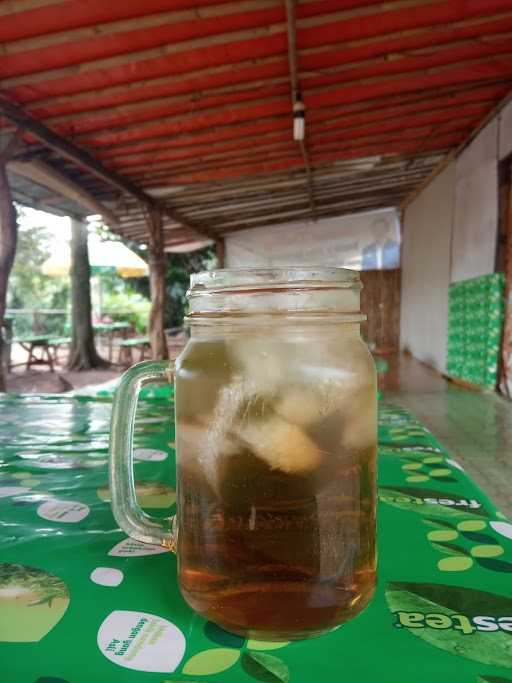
(179, 269)
(123, 299)
(29, 288)
(123, 303)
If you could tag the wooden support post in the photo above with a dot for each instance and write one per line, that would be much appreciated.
(505, 256)
(45, 175)
(8, 239)
(157, 276)
(82, 353)
(85, 160)
(220, 249)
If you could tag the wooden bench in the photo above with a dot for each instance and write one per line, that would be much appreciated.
(127, 346)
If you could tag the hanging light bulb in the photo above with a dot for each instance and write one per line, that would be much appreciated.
(299, 122)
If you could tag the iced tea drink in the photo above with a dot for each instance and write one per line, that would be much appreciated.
(276, 448)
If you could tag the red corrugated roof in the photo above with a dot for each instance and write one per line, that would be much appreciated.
(197, 95)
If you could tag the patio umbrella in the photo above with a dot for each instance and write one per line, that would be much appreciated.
(104, 257)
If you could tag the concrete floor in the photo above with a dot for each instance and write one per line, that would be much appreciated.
(475, 426)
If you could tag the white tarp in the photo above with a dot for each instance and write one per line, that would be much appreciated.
(363, 241)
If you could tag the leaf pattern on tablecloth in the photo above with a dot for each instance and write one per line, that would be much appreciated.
(488, 647)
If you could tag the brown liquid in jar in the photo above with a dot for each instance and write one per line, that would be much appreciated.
(276, 494)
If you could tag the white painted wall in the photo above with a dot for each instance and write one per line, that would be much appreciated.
(449, 234)
(347, 241)
(476, 207)
(426, 239)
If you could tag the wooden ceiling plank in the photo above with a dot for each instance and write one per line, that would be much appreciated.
(48, 177)
(131, 58)
(246, 105)
(389, 200)
(324, 172)
(266, 168)
(353, 145)
(205, 42)
(140, 23)
(8, 7)
(108, 143)
(278, 179)
(277, 147)
(126, 89)
(186, 142)
(454, 153)
(84, 159)
(331, 190)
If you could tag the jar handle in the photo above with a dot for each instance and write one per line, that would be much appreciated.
(125, 508)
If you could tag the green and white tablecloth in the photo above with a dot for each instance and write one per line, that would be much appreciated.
(81, 603)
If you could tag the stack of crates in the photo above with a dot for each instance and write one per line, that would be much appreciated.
(455, 359)
(475, 321)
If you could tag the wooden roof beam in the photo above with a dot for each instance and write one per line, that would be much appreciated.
(193, 99)
(84, 159)
(84, 97)
(69, 150)
(453, 154)
(44, 175)
(453, 136)
(105, 143)
(334, 190)
(246, 144)
(206, 41)
(284, 149)
(323, 172)
(354, 195)
(389, 201)
(145, 22)
(105, 63)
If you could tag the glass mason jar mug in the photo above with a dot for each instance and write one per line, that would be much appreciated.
(276, 452)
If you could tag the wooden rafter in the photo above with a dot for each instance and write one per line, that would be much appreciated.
(46, 176)
(85, 100)
(190, 107)
(334, 140)
(274, 28)
(197, 102)
(110, 142)
(69, 150)
(346, 120)
(84, 159)
(456, 151)
(147, 22)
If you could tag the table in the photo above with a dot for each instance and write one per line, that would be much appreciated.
(79, 602)
(44, 342)
(127, 346)
(110, 330)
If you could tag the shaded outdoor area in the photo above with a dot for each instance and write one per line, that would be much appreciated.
(39, 321)
(267, 509)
